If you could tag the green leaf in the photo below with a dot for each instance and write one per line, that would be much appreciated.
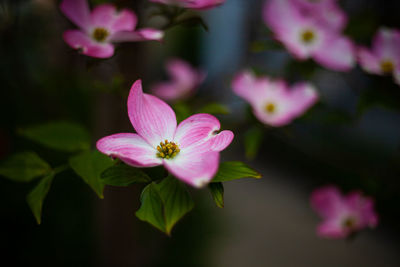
(152, 208)
(89, 165)
(217, 192)
(64, 136)
(177, 201)
(36, 197)
(232, 170)
(24, 167)
(124, 175)
(215, 108)
(182, 111)
(164, 204)
(252, 142)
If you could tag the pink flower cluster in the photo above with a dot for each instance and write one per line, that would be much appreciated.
(273, 102)
(311, 29)
(183, 84)
(192, 4)
(189, 151)
(342, 215)
(384, 56)
(102, 27)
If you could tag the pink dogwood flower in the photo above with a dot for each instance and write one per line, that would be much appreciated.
(384, 56)
(342, 215)
(192, 4)
(184, 81)
(305, 36)
(325, 11)
(189, 151)
(102, 27)
(273, 103)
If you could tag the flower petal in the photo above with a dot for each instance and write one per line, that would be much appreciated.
(79, 40)
(386, 44)
(195, 169)
(220, 141)
(77, 11)
(368, 61)
(336, 53)
(327, 201)
(107, 16)
(196, 129)
(151, 117)
(130, 148)
(145, 34)
(332, 229)
(303, 96)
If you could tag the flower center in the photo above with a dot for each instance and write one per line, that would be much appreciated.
(270, 108)
(167, 150)
(387, 66)
(307, 36)
(349, 223)
(100, 34)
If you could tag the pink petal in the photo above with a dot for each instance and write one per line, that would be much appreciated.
(363, 207)
(221, 140)
(151, 117)
(332, 229)
(327, 201)
(145, 34)
(196, 129)
(249, 87)
(108, 17)
(81, 41)
(368, 61)
(396, 76)
(303, 96)
(130, 148)
(78, 12)
(168, 91)
(195, 169)
(337, 53)
(386, 44)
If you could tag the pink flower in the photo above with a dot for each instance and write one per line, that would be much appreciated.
(384, 56)
(190, 151)
(325, 11)
(306, 36)
(272, 101)
(102, 27)
(342, 215)
(185, 81)
(193, 4)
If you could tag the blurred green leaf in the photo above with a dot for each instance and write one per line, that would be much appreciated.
(89, 165)
(124, 175)
(182, 111)
(164, 204)
(217, 192)
(252, 141)
(233, 170)
(215, 108)
(151, 209)
(65, 136)
(36, 197)
(261, 46)
(24, 167)
(177, 201)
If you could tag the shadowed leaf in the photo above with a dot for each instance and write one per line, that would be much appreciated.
(233, 170)
(36, 197)
(217, 192)
(124, 175)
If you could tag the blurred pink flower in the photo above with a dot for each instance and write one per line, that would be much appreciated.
(273, 102)
(326, 12)
(102, 27)
(184, 81)
(193, 4)
(190, 151)
(384, 56)
(306, 36)
(342, 215)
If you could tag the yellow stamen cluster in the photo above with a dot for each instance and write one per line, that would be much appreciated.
(100, 34)
(349, 222)
(307, 36)
(167, 150)
(387, 66)
(270, 108)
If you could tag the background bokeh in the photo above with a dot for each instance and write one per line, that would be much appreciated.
(351, 139)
